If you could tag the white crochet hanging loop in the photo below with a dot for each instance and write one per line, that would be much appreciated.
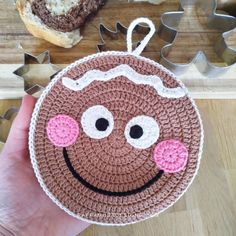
(147, 38)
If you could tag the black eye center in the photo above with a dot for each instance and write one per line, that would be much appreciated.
(136, 132)
(102, 124)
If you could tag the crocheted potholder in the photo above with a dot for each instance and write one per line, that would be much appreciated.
(115, 138)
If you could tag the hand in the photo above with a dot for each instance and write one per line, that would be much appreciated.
(24, 207)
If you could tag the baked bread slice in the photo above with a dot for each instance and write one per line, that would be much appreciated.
(57, 21)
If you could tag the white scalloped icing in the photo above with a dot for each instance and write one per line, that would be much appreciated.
(123, 70)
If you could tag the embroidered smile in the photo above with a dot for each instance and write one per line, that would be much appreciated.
(105, 192)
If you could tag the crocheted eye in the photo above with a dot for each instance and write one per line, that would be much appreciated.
(97, 122)
(142, 132)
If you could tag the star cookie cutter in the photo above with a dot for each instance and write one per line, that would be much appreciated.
(7, 117)
(224, 23)
(28, 71)
(120, 29)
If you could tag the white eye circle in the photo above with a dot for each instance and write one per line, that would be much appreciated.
(142, 131)
(97, 122)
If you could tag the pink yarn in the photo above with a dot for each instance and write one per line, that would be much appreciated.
(171, 156)
(62, 130)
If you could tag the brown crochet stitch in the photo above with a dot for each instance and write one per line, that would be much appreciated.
(71, 20)
(111, 163)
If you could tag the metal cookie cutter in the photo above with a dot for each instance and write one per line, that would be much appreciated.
(6, 117)
(44, 70)
(113, 35)
(224, 23)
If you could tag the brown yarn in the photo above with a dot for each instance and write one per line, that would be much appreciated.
(71, 20)
(111, 163)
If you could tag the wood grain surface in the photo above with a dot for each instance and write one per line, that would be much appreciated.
(193, 36)
(209, 207)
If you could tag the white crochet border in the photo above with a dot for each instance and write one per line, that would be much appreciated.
(35, 116)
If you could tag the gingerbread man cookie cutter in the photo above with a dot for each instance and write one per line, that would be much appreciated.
(224, 23)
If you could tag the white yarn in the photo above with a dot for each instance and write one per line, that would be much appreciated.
(89, 118)
(145, 41)
(150, 129)
(37, 108)
(128, 72)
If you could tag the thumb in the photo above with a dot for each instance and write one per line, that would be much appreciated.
(17, 141)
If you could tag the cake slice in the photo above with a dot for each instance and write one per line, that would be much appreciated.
(57, 21)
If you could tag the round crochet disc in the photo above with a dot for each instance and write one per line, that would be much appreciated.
(115, 139)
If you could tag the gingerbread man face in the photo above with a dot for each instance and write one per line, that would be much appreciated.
(116, 139)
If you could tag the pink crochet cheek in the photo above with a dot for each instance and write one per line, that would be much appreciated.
(171, 156)
(62, 130)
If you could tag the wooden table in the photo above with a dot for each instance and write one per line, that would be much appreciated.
(209, 207)
(193, 36)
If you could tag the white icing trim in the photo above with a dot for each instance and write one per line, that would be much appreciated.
(123, 70)
(37, 108)
(147, 38)
(89, 118)
(150, 135)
